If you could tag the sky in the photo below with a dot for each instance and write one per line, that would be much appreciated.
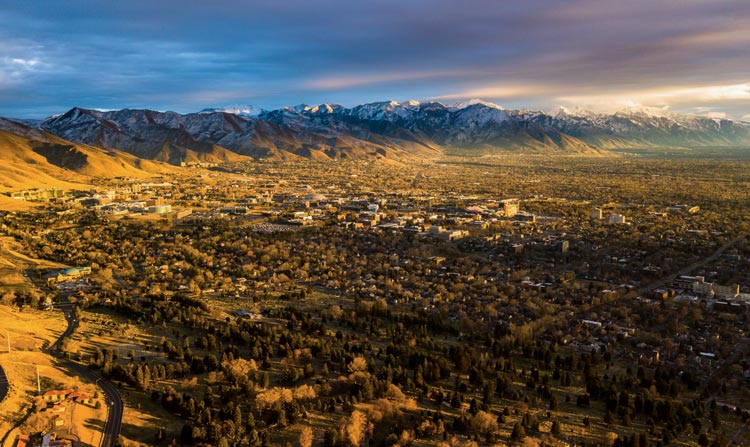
(603, 55)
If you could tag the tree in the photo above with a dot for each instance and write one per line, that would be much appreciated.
(186, 435)
(306, 437)
(483, 422)
(553, 403)
(556, 429)
(354, 428)
(703, 440)
(359, 364)
(518, 433)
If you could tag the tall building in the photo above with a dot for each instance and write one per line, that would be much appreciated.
(617, 219)
(563, 246)
(510, 207)
(597, 214)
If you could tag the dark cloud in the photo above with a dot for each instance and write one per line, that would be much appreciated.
(185, 55)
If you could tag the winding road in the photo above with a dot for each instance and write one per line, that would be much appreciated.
(3, 384)
(112, 397)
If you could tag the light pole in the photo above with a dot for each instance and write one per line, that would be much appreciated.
(70, 422)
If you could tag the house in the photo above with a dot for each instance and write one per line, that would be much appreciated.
(47, 440)
(80, 397)
(57, 421)
(55, 396)
(58, 396)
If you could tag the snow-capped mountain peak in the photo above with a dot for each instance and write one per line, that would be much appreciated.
(242, 110)
(323, 109)
(562, 112)
(652, 112)
(464, 104)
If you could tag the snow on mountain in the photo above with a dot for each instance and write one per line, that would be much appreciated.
(652, 112)
(324, 109)
(464, 104)
(242, 110)
(562, 112)
(387, 129)
(479, 115)
(385, 110)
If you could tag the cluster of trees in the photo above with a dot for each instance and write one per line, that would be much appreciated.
(429, 339)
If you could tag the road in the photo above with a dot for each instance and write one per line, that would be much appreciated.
(690, 268)
(112, 397)
(113, 400)
(3, 384)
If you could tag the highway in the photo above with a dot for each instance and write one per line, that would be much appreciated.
(112, 397)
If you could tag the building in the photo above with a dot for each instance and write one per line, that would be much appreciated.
(597, 214)
(698, 285)
(690, 209)
(715, 290)
(69, 274)
(510, 207)
(563, 246)
(159, 209)
(80, 397)
(38, 195)
(617, 219)
(525, 217)
(46, 440)
(436, 229)
(686, 282)
(454, 235)
(56, 395)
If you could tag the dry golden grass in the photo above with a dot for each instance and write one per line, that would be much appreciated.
(8, 204)
(29, 329)
(143, 418)
(29, 332)
(10, 255)
(35, 159)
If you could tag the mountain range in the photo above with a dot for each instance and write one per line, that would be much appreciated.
(138, 142)
(391, 130)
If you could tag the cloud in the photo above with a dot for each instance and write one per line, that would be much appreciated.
(498, 92)
(185, 55)
(24, 63)
(357, 80)
(671, 97)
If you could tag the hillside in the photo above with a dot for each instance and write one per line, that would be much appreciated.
(222, 136)
(37, 159)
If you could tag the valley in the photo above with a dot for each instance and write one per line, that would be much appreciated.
(464, 300)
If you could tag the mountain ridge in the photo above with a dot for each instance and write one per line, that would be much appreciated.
(393, 130)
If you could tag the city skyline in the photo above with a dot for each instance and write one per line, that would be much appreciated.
(686, 56)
